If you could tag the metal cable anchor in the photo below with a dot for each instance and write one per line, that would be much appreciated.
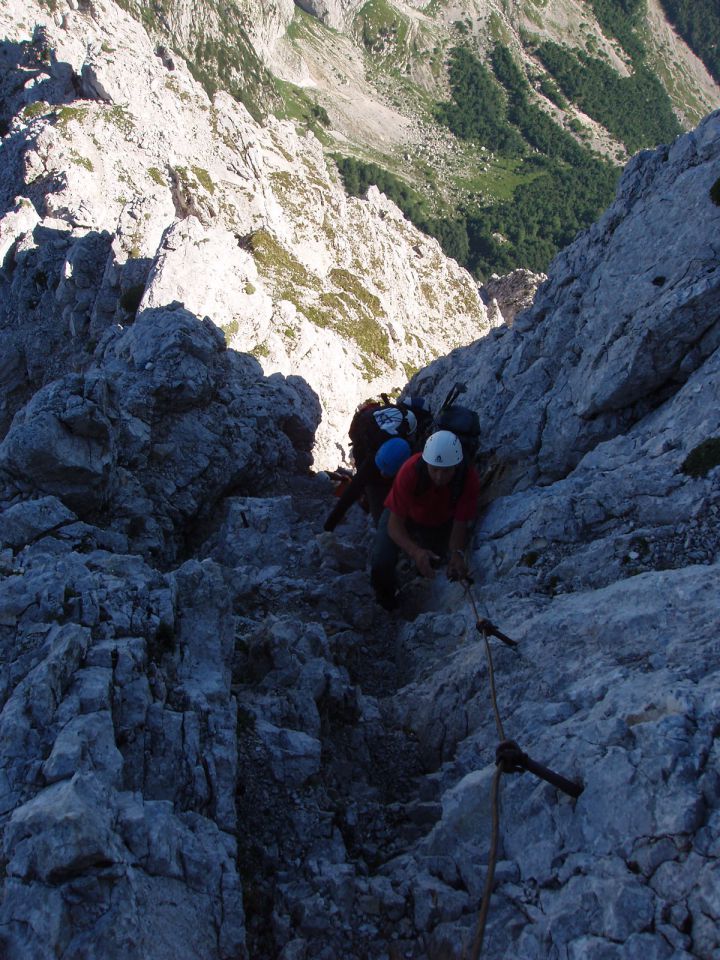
(511, 759)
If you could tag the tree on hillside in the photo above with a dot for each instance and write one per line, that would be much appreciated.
(478, 109)
(698, 23)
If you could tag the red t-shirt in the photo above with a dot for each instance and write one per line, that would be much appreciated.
(433, 506)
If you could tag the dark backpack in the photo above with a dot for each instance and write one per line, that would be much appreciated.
(373, 424)
(462, 421)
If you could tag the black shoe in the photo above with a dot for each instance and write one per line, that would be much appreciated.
(388, 601)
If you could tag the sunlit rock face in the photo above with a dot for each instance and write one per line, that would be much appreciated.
(150, 194)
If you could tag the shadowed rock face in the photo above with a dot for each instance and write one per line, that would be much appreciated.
(629, 313)
(163, 425)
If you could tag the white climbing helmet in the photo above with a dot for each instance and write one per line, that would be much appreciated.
(443, 449)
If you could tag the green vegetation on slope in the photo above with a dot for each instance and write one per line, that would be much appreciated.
(450, 230)
(563, 188)
(297, 106)
(698, 23)
(544, 216)
(226, 62)
(382, 28)
(620, 19)
(559, 188)
(635, 109)
(478, 109)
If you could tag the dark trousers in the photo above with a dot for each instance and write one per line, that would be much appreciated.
(375, 494)
(384, 556)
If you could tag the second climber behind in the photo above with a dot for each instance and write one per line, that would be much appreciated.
(373, 481)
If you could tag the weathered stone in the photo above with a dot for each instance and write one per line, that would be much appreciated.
(31, 519)
(226, 698)
(294, 756)
(64, 830)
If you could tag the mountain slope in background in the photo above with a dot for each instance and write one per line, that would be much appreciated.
(155, 194)
(497, 127)
(698, 23)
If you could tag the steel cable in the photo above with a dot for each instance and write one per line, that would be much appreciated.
(492, 858)
(508, 759)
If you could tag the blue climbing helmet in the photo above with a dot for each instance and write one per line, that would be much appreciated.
(391, 456)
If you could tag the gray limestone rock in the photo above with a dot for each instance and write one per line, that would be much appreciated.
(602, 347)
(30, 519)
(196, 688)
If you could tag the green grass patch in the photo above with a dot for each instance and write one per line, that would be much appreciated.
(287, 274)
(230, 329)
(157, 176)
(383, 30)
(350, 284)
(68, 115)
(37, 109)
(350, 309)
(174, 87)
(296, 105)
(341, 313)
(81, 161)
(282, 180)
(204, 179)
(190, 179)
(497, 29)
(499, 178)
(119, 117)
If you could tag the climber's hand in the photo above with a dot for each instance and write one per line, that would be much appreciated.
(426, 561)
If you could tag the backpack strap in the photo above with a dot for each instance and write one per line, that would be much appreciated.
(422, 478)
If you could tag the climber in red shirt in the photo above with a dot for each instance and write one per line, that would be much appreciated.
(428, 513)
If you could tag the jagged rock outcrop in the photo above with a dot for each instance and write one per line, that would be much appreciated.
(151, 436)
(152, 194)
(509, 295)
(115, 783)
(333, 13)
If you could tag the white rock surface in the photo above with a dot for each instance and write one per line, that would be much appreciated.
(171, 198)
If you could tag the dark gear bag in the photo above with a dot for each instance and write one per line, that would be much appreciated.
(374, 423)
(462, 421)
